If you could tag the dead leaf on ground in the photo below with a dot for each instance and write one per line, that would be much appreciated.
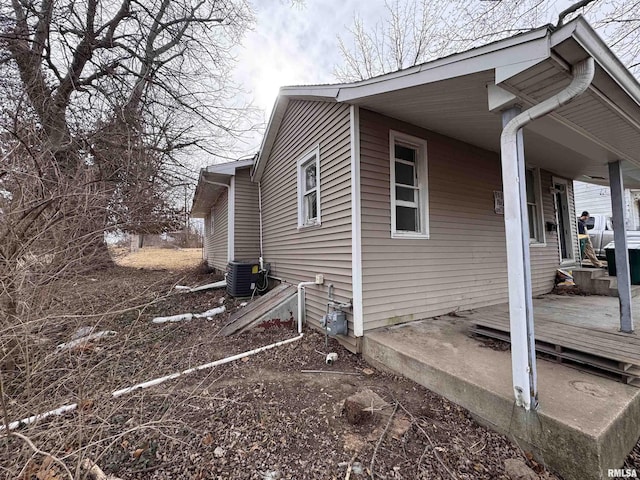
(207, 440)
(138, 451)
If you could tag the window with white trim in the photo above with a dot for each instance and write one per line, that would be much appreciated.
(534, 206)
(409, 187)
(309, 189)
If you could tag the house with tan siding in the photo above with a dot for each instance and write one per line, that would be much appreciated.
(444, 187)
(447, 187)
(227, 201)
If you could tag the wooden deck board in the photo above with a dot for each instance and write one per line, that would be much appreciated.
(623, 347)
(614, 353)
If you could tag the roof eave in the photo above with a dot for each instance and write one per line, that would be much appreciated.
(591, 42)
(212, 180)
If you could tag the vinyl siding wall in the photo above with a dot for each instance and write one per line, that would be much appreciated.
(218, 248)
(297, 255)
(463, 263)
(247, 219)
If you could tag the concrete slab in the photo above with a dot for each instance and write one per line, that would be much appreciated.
(585, 425)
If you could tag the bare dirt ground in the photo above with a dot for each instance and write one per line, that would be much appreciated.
(257, 418)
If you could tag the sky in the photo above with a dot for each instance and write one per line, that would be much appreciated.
(295, 45)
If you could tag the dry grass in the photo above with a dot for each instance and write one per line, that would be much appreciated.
(169, 258)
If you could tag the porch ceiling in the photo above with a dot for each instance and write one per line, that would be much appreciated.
(575, 142)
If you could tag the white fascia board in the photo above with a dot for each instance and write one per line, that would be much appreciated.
(197, 211)
(511, 55)
(229, 168)
(312, 92)
(598, 49)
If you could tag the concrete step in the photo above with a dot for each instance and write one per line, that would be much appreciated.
(602, 284)
(579, 412)
(582, 276)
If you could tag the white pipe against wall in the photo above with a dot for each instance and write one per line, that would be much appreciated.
(301, 286)
(521, 321)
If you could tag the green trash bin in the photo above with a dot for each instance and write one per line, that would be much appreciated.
(633, 245)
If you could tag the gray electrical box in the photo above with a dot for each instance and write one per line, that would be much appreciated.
(335, 323)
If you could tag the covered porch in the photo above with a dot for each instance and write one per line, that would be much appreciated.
(589, 419)
(553, 99)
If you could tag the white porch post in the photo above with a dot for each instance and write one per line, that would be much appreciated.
(523, 356)
(622, 253)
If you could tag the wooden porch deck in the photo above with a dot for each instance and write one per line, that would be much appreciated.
(579, 331)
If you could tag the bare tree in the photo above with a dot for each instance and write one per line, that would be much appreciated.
(416, 31)
(118, 90)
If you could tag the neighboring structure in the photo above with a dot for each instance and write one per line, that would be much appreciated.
(596, 199)
(227, 200)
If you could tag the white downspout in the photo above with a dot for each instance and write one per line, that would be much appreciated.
(523, 359)
(231, 220)
(260, 224)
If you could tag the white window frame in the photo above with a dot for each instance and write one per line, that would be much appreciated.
(540, 240)
(308, 158)
(422, 173)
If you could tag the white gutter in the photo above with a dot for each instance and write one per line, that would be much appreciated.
(523, 359)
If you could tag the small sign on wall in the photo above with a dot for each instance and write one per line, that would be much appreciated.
(498, 202)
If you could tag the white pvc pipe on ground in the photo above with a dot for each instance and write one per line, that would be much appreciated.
(189, 316)
(28, 420)
(158, 381)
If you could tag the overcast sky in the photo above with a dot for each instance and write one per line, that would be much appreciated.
(293, 45)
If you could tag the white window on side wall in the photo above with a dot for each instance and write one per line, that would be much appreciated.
(409, 186)
(534, 206)
(309, 189)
